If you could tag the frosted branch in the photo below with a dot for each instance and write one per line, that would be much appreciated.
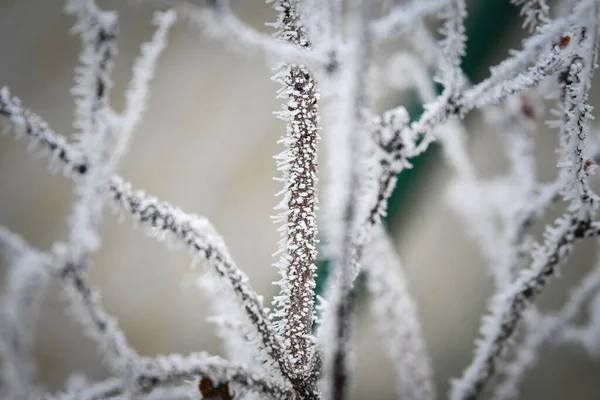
(574, 130)
(97, 30)
(108, 389)
(468, 197)
(220, 22)
(175, 369)
(19, 311)
(297, 210)
(144, 67)
(28, 125)
(454, 43)
(346, 209)
(485, 93)
(396, 319)
(536, 12)
(403, 16)
(99, 325)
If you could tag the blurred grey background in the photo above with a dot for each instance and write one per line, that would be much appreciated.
(206, 144)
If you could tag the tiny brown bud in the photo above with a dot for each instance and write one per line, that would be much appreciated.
(564, 41)
(527, 107)
(209, 391)
(589, 166)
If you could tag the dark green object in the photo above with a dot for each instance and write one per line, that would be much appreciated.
(488, 21)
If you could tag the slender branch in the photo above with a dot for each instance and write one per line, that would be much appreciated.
(221, 23)
(98, 324)
(396, 319)
(174, 369)
(401, 17)
(136, 95)
(97, 30)
(536, 12)
(104, 390)
(454, 44)
(349, 211)
(19, 312)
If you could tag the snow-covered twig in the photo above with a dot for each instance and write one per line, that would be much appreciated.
(403, 16)
(143, 71)
(220, 22)
(174, 369)
(345, 209)
(396, 319)
(536, 12)
(19, 312)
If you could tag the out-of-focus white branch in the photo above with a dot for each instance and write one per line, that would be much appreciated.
(97, 30)
(109, 389)
(346, 205)
(395, 317)
(403, 16)
(220, 22)
(143, 71)
(176, 369)
(19, 311)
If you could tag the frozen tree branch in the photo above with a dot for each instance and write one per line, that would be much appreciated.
(86, 305)
(172, 369)
(143, 72)
(109, 389)
(344, 208)
(298, 164)
(454, 44)
(396, 319)
(19, 312)
(536, 12)
(221, 23)
(402, 16)
(97, 30)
